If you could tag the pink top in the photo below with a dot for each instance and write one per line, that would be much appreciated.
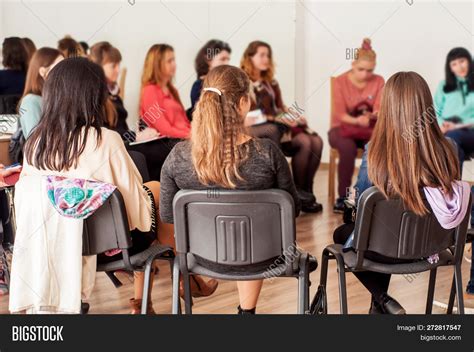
(163, 112)
(347, 97)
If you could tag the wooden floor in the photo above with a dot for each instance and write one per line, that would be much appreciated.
(278, 295)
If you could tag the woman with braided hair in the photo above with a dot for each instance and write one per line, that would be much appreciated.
(221, 155)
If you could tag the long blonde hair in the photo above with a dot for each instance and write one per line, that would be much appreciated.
(217, 126)
(153, 66)
(408, 150)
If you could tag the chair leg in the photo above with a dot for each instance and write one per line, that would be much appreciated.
(117, 283)
(146, 286)
(303, 285)
(187, 293)
(176, 304)
(449, 310)
(324, 268)
(431, 290)
(459, 290)
(332, 176)
(342, 285)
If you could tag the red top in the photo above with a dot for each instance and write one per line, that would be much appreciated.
(347, 97)
(163, 112)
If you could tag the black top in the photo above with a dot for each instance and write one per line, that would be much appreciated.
(122, 114)
(195, 94)
(265, 168)
(12, 82)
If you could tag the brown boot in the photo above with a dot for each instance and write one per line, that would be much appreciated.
(199, 288)
(136, 305)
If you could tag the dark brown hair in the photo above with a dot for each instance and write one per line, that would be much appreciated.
(103, 53)
(74, 99)
(212, 48)
(15, 56)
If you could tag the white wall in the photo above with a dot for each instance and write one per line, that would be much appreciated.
(184, 25)
(406, 38)
(309, 38)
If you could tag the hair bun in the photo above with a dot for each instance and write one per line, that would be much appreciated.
(366, 44)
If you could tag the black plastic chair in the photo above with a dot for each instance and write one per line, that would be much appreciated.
(108, 229)
(387, 228)
(237, 229)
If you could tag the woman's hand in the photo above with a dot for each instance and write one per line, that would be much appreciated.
(7, 172)
(363, 120)
(447, 126)
(146, 134)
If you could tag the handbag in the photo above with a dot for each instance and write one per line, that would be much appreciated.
(15, 148)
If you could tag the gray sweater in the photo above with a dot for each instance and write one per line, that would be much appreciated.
(265, 168)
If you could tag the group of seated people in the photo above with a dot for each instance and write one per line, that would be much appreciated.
(74, 123)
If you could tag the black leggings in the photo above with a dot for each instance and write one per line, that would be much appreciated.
(376, 283)
(305, 162)
(155, 153)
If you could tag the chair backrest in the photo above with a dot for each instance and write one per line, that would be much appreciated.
(107, 228)
(9, 104)
(140, 162)
(386, 227)
(234, 227)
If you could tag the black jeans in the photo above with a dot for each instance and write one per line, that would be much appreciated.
(376, 283)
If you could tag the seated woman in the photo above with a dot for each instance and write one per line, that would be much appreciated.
(400, 166)
(214, 53)
(220, 154)
(356, 99)
(109, 58)
(454, 105)
(454, 101)
(15, 63)
(69, 47)
(161, 110)
(41, 64)
(70, 141)
(305, 144)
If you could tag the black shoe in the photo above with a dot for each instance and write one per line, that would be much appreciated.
(391, 306)
(84, 307)
(245, 311)
(305, 197)
(312, 208)
(339, 205)
(375, 308)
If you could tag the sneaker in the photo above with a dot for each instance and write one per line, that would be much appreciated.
(339, 205)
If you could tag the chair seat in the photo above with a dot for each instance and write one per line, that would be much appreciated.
(138, 261)
(199, 269)
(350, 259)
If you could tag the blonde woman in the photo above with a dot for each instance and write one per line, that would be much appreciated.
(221, 154)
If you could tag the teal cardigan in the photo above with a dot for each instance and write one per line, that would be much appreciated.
(30, 113)
(458, 103)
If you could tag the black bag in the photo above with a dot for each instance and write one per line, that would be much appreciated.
(319, 305)
(15, 149)
(349, 213)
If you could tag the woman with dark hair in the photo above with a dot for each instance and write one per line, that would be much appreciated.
(305, 145)
(454, 101)
(214, 53)
(15, 63)
(41, 64)
(69, 47)
(70, 141)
